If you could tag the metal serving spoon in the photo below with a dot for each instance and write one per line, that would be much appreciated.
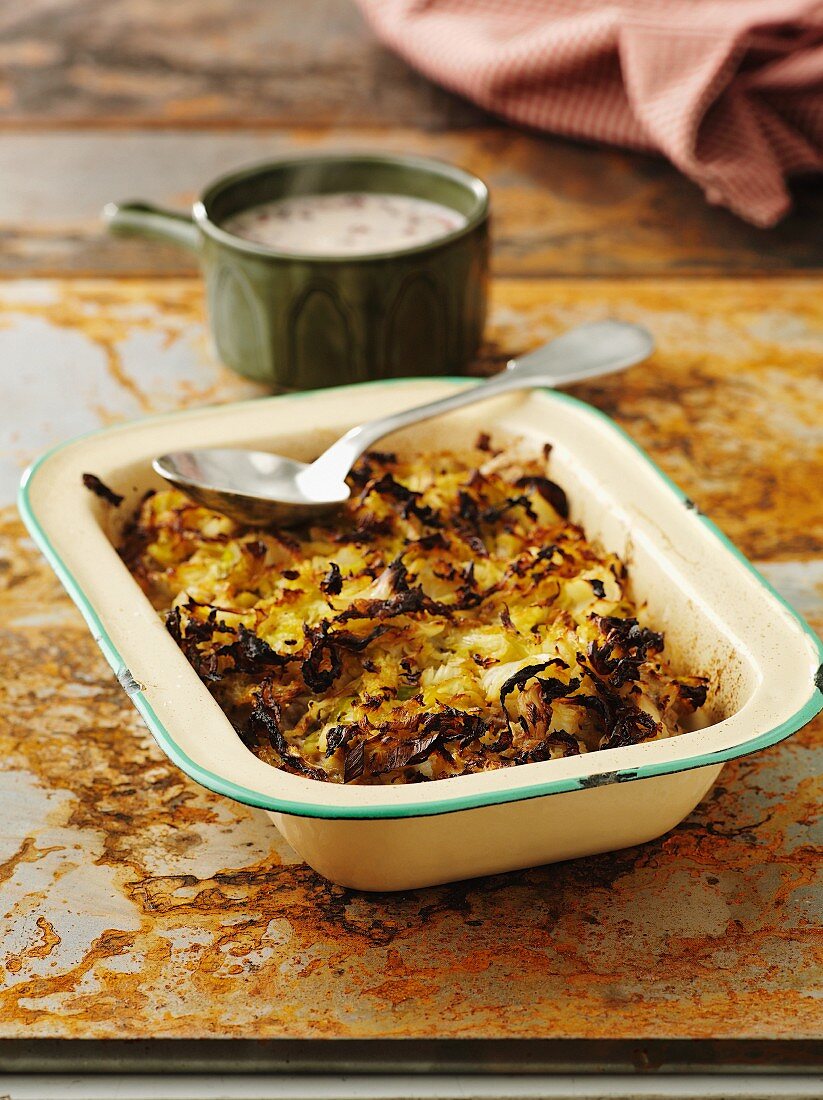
(260, 488)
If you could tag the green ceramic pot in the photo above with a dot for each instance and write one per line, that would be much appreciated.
(303, 322)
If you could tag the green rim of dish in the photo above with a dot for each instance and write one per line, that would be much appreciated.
(220, 785)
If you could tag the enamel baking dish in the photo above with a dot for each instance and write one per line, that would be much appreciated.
(720, 618)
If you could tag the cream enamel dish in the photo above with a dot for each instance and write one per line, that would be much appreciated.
(719, 617)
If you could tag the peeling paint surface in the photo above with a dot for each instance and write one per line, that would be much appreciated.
(135, 904)
(83, 355)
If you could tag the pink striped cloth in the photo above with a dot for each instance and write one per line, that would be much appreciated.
(731, 91)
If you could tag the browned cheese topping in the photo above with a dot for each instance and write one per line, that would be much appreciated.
(450, 619)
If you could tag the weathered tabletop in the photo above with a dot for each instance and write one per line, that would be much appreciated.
(136, 905)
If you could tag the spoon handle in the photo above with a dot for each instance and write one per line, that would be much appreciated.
(588, 351)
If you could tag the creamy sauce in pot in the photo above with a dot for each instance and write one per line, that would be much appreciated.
(347, 223)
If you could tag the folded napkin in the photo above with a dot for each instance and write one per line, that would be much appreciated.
(731, 91)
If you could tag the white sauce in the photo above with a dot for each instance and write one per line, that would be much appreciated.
(346, 223)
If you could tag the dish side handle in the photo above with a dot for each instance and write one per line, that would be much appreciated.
(142, 219)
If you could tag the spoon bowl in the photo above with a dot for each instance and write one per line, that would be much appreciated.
(254, 487)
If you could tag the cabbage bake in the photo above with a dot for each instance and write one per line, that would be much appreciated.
(449, 619)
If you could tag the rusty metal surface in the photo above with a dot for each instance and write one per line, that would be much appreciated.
(135, 904)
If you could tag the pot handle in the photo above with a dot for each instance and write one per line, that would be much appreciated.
(141, 219)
